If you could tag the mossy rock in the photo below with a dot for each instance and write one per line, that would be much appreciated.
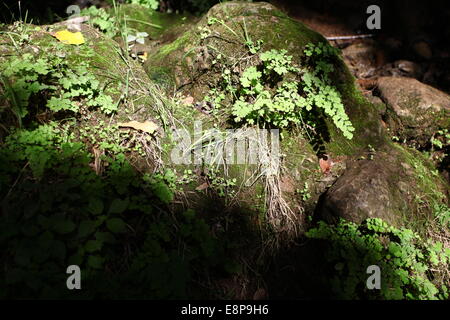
(183, 57)
(104, 58)
(186, 65)
(416, 111)
(391, 183)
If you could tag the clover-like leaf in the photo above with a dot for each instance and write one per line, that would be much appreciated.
(116, 225)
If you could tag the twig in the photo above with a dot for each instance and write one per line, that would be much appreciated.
(76, 20)
(350, 37)
(17, 180)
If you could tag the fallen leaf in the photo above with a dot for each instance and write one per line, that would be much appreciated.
(325, 165)
(201, 187)
(188, 100)
(143, 56)
(147, 126)
(68, 37)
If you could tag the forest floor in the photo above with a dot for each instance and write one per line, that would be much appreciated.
(82, 186)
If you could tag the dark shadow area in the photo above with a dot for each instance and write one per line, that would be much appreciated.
(298, 272)
(38, 12)
(332, 263)
(319, 211)
(414, 31)
(136, 236)
(320, 134)
(119, 228)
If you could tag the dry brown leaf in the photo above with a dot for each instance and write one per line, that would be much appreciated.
(325, 165)
(201, 187)
(188, 100)
(147, 126)
(98, 162)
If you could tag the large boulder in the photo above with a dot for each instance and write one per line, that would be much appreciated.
(383, 185)
(194, 63)
(187, 62)
(367, 188)
(363, 58)
(390, 184)
(415, 110)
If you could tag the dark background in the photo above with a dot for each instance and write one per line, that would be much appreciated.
(416, 31)
(410, 20)
(398, 15)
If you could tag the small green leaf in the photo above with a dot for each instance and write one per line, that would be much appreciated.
(64, 226)
(86, 228)
(116, 225)
(118, 206)
(95, 206)
(163, 192)
(93, 245)
(95, 262)
(105, 237)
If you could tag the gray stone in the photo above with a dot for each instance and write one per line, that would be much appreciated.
(382, 187)
(416, 110)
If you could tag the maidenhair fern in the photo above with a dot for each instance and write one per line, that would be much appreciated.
(276, 91)
(411, 267)
(65, 86)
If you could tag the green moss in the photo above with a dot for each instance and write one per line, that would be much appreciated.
(162, 76)
(179, 44)
(425, 183)
(365, 119)
(429, 180)
(183, 56)
(299, 156)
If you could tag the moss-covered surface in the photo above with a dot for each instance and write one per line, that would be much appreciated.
(103, 55)
(187, 58)
(185, 64)
(166, 249)
(188, 62)
(415, 111)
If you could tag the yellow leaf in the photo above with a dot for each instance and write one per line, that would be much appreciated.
(143, 56)
(68, 37)
(147, 126)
